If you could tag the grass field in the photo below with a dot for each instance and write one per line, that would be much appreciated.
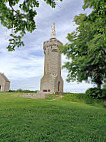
(72, 118)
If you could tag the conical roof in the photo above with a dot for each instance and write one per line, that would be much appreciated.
(4, 77)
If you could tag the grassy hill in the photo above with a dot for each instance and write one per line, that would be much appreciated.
(72, 118)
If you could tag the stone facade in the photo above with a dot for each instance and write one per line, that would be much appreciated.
(4, 83)
(52, 81)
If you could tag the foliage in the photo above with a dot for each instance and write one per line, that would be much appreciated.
(104, 93)
(18, 15)
(104, 89)
(94, 92)
(87, 45)
(62, 120)
(23, 91)
(83, 98)
(104, 85)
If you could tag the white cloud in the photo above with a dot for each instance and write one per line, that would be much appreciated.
(24, 67)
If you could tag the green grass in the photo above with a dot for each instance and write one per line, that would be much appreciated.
(73, 118)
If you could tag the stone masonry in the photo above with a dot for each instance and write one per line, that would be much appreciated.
(52, 81)
(4, 83)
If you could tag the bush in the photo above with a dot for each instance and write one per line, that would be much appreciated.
(104, 93)
(95, 93)
(23, 91)
(104, 85)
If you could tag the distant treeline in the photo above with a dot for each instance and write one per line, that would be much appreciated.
(24, 91)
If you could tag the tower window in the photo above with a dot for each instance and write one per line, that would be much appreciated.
(44, 90)
(54, 50)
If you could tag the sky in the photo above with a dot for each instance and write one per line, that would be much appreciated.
(24, 67)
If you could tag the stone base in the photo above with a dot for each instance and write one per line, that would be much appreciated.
(42, 95)
(38, 95)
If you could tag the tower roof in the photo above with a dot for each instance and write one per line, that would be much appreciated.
(53, 41)
(53, 34)
(4, 77)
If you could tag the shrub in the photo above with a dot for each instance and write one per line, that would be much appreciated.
(23, 91)
(94, 92)
(104, 93)
(104, 85)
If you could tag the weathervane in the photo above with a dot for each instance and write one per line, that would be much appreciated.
(53, 34)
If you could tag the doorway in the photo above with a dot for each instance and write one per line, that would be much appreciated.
(58, 86)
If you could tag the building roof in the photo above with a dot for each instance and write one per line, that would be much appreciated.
(4, 77)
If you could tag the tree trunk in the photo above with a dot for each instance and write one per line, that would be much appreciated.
(99, 85)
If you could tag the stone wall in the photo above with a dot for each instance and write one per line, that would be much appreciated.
(4, 83)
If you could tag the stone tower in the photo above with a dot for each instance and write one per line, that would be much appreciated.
(52, 81)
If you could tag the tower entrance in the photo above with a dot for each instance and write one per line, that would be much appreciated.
(58, 86)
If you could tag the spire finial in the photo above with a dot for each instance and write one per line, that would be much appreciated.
(53, 34)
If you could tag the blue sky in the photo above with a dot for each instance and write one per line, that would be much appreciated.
(24, 66)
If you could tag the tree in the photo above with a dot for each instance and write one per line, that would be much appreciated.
(104, 85)
(18, 15)
(87, 45)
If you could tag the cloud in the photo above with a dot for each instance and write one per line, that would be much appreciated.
(24, 66)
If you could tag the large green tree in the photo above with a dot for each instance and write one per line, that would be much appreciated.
(87, 45)
(19, 15)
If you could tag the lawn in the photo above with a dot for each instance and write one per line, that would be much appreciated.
(72, 118)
